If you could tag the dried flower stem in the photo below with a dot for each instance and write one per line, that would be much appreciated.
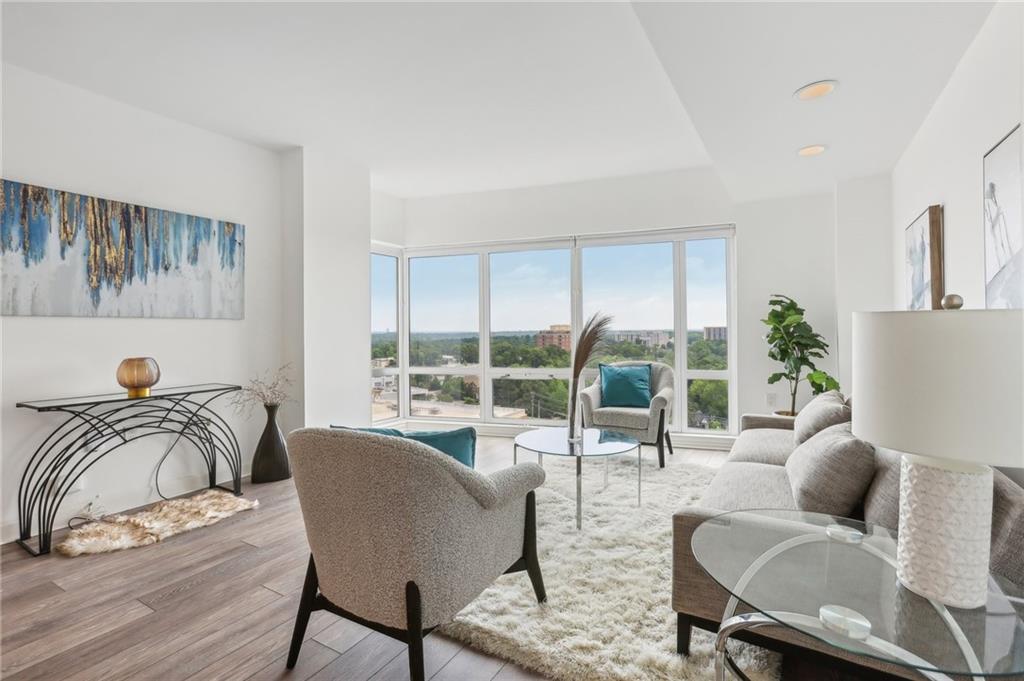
(267, 389)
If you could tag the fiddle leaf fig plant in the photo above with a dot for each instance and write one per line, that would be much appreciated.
(793, 343)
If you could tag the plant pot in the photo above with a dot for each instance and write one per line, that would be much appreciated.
(270, 462)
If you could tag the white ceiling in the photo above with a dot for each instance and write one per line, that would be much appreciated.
(433, 98)
(445, 98)
(736, 66)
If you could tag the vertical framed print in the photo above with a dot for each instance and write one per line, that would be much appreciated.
(1003, 224)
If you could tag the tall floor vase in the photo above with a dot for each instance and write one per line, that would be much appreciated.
(270, 463)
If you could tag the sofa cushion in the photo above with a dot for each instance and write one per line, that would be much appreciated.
(1007, 528)
(625, 386)
(882, 501)
(741, 485)
(830, 472)
(827, 409)
(630, 418)
(763, 445)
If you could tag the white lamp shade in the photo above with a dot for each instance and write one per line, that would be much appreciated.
(945, 383)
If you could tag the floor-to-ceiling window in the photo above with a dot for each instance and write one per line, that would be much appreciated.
(634, 284)
(491, 327)
(444, 336)
(706, 315)
(530, 333)
(385, 369)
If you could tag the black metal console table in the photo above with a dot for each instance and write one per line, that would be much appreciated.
(100, 424)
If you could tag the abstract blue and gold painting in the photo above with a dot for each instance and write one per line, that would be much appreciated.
(66, 254)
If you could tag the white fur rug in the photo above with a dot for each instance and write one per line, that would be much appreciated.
(608, 614)
(159, 521)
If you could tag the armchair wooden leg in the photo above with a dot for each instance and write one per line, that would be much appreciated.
(668, 441)
(414, 631)
(684, 628)
(661, 440)
(530, 548)
(306, 602)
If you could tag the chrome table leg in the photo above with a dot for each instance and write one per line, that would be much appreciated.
(639, 475)
(579, 492)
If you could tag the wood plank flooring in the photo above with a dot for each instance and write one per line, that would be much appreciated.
(214, 604)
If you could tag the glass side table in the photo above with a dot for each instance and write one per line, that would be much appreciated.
(594, 442)
(834, 579)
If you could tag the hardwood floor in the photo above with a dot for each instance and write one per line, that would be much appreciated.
(214, 604)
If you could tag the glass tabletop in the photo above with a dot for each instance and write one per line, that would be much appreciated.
(789, 565)
(595, 442)
(122, 396)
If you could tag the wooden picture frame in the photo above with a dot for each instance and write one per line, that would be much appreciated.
(924, 260)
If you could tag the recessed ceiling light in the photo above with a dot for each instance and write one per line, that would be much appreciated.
(812, 150)
(817, 89)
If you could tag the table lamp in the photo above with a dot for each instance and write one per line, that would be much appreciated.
(946, 388)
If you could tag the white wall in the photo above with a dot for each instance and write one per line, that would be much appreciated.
(943, 164)
(387, 218)
(670, 199)
(783, 246)
(293, 413)
(59, 136)
(863, 248)
(983, 100)
(335, 289)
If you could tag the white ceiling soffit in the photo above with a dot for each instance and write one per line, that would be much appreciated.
(433, 98)
(736, 66)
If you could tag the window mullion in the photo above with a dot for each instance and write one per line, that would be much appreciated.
(681, 334)
(484, 344)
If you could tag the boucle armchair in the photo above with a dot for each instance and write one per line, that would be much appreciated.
(403, 537)
(647, 424)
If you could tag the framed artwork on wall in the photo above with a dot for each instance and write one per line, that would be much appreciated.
(1003, 224)
(67, 254)
(923, 256)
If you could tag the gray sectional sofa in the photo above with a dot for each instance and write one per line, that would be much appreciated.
(813, 463)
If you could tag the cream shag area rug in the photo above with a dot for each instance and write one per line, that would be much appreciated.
(164, 519)
(608, 615)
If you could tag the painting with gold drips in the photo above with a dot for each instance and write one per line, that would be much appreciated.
(67, 254)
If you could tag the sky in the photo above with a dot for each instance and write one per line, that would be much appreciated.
(530, 289)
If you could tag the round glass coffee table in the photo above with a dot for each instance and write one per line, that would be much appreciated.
(594, 442)
(834, 579)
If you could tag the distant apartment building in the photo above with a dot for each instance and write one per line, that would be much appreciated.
(715, 333)
(651, 339)
(558, 335)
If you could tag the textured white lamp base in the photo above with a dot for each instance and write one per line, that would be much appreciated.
(945, 530)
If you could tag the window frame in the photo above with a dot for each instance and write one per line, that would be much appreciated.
(684, 374)
(392, 251)
(528, 373)
(486, 373)
(466, 370)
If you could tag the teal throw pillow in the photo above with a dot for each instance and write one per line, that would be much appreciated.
(625, 386)
(460, 444)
